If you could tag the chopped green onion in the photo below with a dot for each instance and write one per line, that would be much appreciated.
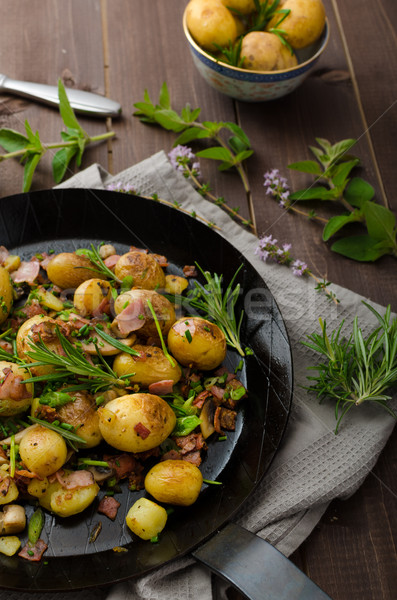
(35, 526)
(188, 336)
(166, 353)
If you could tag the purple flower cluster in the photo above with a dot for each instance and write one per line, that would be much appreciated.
(121, 187)
(183, 159)
(277, 186)
(268, 249)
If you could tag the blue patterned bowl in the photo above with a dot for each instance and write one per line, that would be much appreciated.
(255, 86)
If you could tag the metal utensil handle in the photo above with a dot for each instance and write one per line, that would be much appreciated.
(255, 567)
(82, 102)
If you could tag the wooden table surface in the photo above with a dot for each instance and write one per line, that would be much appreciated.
(122, 47)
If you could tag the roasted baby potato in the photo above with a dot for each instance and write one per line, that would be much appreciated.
(69, 270)
(6, 296)
(144, 270)
(9, 544)
(15, 396)
(136, 422)
(81, 413)
(197, 342)
(65, 501)
(151, 366)
(146, 518)
(162, 307)
(174, 284)
(39, 326)
(174, 482)
(90, 294)
(43, 451)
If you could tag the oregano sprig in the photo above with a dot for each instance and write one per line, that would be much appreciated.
(29, 148)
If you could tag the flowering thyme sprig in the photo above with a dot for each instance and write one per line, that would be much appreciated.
(268, 248)
(183, 159)
(129, 189)
(277, 187)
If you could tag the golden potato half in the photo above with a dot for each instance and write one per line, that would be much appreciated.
(145, 271)
(136, 422)
(6, 296)
(197, 342)
(150, 367)
(39, 326)
(174, 482)
(15, 396)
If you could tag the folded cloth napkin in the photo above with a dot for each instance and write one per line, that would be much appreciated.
(313, 465)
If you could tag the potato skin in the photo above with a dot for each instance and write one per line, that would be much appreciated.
(203, 348)
(14, 406)
(163, 308)
(305, 23)
(23, 346)
(145, 271)
(146, 518)
(82, 412)
(12, 491)
(43, 451)
(65, 270)
(154, 368)
(120, 419)
(61, 501)
(6, 297)
(174, 482)
(264, 51)
(210, 22)
(90, 294)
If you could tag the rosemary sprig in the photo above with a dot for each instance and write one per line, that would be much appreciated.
(357, 369)
(70, 437)
(96, 259)
(73, 362)
(217, 306)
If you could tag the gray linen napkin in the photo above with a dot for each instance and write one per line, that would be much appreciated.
(313, 465)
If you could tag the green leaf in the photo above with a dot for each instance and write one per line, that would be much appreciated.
(336, 223)
(12, 141)
(358, 192)
(67, 113)
(306, 166)
(237, 145)
(337, 150)
(325, 144)
(144, 108)
(315, 193)
(30, 165)
(381, 222)
(61, 161)
(339, 173)
(193, 133)
(319, 154)
(362, 248)
(170, 120)
(164, 98)
(217, 153)
(238, 132)
(241, 156)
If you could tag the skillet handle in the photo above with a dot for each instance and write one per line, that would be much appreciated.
(255, 567)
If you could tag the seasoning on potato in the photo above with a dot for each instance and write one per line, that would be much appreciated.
(143, 269)
(174, 482)
(146, 518)
(198, 343)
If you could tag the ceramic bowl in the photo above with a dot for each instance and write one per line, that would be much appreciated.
(255, 86)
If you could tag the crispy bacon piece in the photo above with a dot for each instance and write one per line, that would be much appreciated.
(111, 261)
(5, 486)
(161, 388)
(142, 431)
(172, 455)
(123, 464)
(217, 392)
(224, 419)
(136, 249)
(162, 260)
(132, 317)
(201, 398)
(189, 271)
(12, 386)
(75, 479)
(188, 443)
(3, 254)
(109, 506)
(103, 308)
(26, 272)
(6, 346)
(33, 552)
(222, 370)
(193, 457)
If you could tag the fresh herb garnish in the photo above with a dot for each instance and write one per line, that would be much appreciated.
(69, 436)
(357, 369)
(96, 259)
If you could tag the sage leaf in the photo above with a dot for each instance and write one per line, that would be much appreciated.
(315, 193)
(306, 166)
(358, 192)
(217, 153)
(336, 223)
(67, 113)
(381, 222)
(170, 120)
(61, 161)
(362, 248)
(31, 163)
(12, 140)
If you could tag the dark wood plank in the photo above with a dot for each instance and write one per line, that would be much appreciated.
(50, 40)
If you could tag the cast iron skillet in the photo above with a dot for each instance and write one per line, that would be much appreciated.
(62, 220)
